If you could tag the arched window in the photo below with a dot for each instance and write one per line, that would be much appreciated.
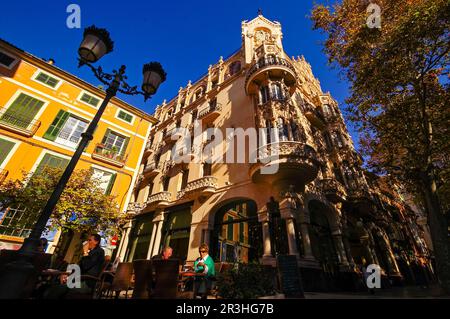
(234, 68)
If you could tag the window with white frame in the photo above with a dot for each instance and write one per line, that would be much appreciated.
(89, 99)
(115, 141)
(127, 117)
(47, 79)
(66, 129)
(106, 179)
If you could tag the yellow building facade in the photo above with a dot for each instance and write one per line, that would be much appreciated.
(44, 110)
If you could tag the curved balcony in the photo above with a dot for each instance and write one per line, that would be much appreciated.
(151, 170)
(161, 199)
(210, 113)
(295, 162)
(333, 190)
(202, 187)
(173, 135)
(276, 68)
(135, 208)
(314, 116)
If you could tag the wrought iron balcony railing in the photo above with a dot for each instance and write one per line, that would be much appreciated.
(109, 155)
(18, 123)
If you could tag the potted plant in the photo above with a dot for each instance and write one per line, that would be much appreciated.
(247, 281)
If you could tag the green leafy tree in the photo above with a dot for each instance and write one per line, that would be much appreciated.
(82, 207)
(399, 98)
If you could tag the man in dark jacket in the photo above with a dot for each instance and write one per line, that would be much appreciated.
(93, 259)
(90, 264)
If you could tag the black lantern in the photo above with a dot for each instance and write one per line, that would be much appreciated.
(154, 75)
(96, 43)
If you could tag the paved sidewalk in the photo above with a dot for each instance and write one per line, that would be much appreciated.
(391, 293)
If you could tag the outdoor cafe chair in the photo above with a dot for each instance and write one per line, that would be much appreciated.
(121, 281)
(166, 278)
(143, 278)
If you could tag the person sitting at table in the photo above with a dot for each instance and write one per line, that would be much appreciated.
(91, 264)
(203, 265)
(166, 254)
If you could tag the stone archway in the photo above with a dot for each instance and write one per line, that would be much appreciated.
(322, 225)
(236, 235)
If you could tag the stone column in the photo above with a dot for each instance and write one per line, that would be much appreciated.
(337, 238)
(155, 241)
(124, 242)
(306, 241)
(267, 258)
(287, 211)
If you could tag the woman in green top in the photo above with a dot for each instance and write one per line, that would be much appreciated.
(204, 265)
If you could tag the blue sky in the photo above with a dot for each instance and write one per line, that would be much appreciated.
(185, 36)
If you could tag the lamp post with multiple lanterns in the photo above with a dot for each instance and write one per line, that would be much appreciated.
(17, 277)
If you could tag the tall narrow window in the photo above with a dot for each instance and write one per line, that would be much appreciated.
(268, 131)
(166, 182)
(282, 130)
(184, 178)
(264, 94)
(207, 169)
(194, 115)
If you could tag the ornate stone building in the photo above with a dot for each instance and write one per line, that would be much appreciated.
(320, 205)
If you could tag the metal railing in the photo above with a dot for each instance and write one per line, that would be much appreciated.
(268, 61)
(109, 153)
(18, 122)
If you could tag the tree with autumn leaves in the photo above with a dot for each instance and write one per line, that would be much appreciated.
(399, 98)
(82, 207)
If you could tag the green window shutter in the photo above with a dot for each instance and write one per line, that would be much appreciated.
(52, 161)
(5, 148)
(22, 111)
(125, 145)
(230, 229)
(111, 184)
(56, 125)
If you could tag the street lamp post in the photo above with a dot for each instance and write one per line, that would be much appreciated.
(16, 279)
